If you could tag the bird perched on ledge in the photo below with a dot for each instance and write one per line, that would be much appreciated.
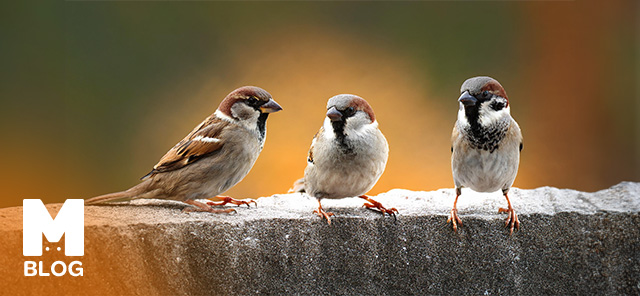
(212, 158)
(486, 144)
(347, 155)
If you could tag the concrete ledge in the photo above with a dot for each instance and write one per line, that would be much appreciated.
(570, 242)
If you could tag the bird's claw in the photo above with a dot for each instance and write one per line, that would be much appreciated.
(512, 221)
(228, 199)
(322, 214)
(454, 219)
(251, 201)
(376, 206)
(379, 208)
(200, 207)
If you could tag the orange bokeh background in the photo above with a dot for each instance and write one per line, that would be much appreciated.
(98, 97)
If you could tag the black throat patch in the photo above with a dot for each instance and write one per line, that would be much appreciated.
(262, 125)
(341, 137)
(484, 137)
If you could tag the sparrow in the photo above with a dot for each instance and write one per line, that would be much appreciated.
(347, 155)
(212, 158)
(486, 144)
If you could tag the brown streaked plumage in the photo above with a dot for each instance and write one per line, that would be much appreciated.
(213, 157)
(190, 149)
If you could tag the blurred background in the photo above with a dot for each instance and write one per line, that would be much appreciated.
(94, 93)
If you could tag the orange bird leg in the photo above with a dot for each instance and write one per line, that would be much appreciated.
(322, 214)
(372, 204)
(228, 199)
(453, 216)
(511, 221)
(201, 207)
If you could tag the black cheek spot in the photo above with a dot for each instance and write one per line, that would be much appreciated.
(521, 146)
(497, 106)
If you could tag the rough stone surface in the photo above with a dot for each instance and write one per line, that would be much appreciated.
(569, 243)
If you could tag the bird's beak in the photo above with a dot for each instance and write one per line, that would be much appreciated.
(270, 107)
(334, 114)
(467, 99)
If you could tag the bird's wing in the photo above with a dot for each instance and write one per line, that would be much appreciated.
(455, 134)
(203, 140)
(514, 131)
(313, 143)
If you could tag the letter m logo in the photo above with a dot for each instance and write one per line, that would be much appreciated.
(36, 221)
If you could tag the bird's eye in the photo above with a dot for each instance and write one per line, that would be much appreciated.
(349, 111)
(485, 94)
(252, 100)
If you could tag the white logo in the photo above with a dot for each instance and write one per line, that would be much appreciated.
(36, 221)
(69, 221)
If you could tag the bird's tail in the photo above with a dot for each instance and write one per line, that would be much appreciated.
(298, 186)
(129, 194)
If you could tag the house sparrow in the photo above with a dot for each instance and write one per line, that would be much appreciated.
(347, 155)
(486, 144)
(212, 158)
